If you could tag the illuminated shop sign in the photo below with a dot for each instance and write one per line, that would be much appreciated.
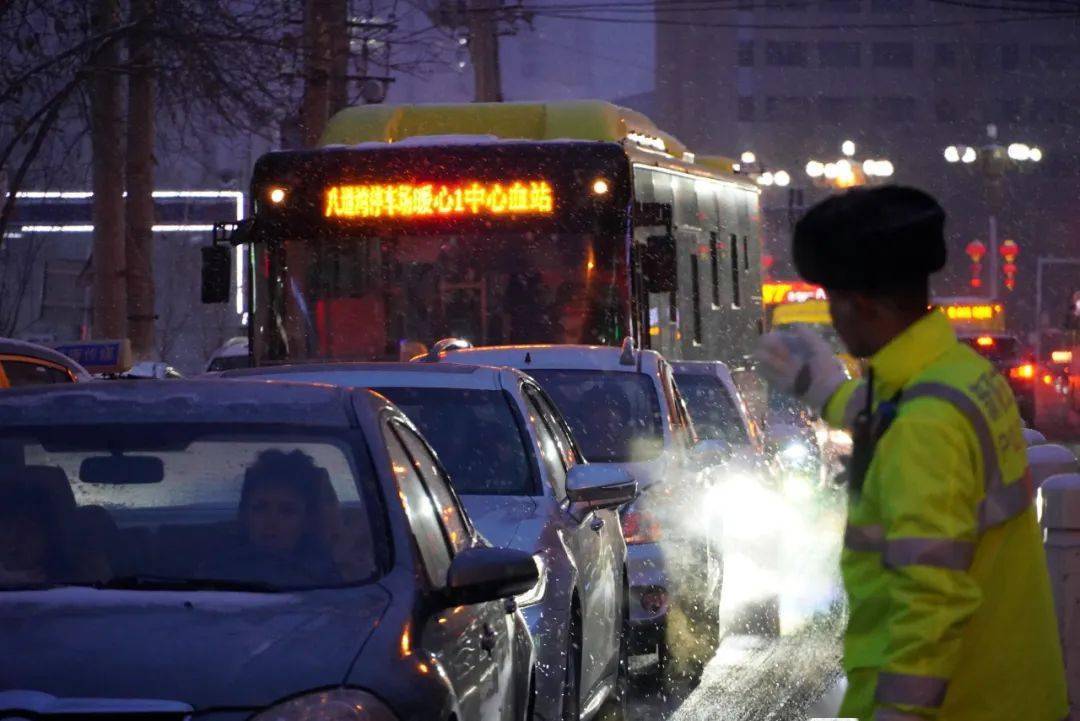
(796, 292)
(424, 200)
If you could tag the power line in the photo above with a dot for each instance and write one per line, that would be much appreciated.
(808, 26)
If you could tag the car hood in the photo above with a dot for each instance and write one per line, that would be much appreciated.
(499, 517)
(206, 649)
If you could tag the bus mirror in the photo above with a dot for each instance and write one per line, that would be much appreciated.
(658, 264)
(215, 274)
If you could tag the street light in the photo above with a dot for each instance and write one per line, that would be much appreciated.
(781, 178)
(748, 158)
(994, 161)
(847, 171)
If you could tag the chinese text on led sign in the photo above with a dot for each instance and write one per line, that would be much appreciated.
(970, 312)
(418, 200)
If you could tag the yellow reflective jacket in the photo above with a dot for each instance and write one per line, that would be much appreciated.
(951, 614)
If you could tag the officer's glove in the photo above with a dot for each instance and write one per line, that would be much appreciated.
(800, 363)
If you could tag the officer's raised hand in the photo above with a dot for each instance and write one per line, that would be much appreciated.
(800, 363)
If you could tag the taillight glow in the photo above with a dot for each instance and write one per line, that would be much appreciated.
(640, 527)
(984, 341)
(1023, 372)
(1047, 379)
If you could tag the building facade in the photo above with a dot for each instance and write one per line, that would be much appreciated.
(791, 80)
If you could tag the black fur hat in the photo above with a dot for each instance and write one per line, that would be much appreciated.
(871, 239)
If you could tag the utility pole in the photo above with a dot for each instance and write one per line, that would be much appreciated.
(315, 104)
(338, 24)
(139, 172)
(106, 140)
(483, 25)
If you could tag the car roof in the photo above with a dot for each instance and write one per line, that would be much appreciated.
(182, 401)
(10, 346)
(386, 375)
(569, 357)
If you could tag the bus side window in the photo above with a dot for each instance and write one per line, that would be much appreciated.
(714, 261)
(736, 297)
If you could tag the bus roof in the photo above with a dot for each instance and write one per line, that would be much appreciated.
(557, 120)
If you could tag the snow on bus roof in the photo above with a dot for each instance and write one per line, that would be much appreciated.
(425, 141)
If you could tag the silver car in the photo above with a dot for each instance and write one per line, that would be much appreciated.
(513, 461)
(625, 410)
(750, 488)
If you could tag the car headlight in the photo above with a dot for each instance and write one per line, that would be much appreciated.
(795, 452)
(338, 704)
(535, 594)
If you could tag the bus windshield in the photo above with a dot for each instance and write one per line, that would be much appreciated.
(391, 297)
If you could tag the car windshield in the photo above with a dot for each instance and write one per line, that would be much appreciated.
(476, 435)
(615, 416)
(712, 408)
(176, 506)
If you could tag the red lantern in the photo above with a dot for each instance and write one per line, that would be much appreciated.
(975, 250)
(1010, 283)
(976, 282)
(1009, 250)
(1009, 268)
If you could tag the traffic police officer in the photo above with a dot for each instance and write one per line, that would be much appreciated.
(951, 615)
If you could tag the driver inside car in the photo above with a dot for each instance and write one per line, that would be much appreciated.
(280, 517)
(30, 533)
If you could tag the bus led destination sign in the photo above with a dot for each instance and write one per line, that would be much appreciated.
(422, 200)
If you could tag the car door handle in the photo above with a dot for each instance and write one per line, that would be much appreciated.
(487, 639)
(597, 524)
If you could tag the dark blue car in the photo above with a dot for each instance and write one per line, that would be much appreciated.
(235, 550)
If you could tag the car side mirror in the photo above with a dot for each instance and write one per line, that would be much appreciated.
(600, 486)
(482, 574)
(215, 274)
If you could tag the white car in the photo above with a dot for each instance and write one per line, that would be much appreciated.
(233, 353)
(750, 489)
(625, 410)
(521, 477)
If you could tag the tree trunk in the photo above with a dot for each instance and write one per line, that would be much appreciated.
(338, 28)
(315, 104)
(484, 50)
(139, 173)
(106, 140)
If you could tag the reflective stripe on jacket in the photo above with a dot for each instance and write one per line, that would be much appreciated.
(951, 615)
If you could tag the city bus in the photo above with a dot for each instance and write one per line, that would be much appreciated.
(562, 222)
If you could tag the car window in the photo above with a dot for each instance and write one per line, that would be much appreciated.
(421, 511)
(689, 431)
(187, 505)
(477, 435)
(549, 449)
(712, 408)
(556, 424)
(450, 513)
(615, 415)
(25, 373)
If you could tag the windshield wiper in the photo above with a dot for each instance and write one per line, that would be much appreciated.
(151, 582)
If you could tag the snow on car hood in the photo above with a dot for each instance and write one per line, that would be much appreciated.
(498, 517)
(206, 649)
